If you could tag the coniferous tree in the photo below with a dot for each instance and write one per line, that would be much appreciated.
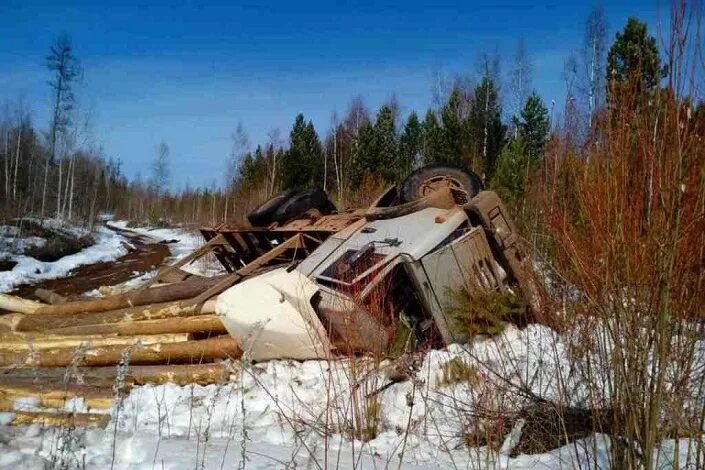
(433, 147)
(453, 129)
(534, 127)
(634, 55)
(410, 144)
(386, 162)
(303, 162)
(512, 167)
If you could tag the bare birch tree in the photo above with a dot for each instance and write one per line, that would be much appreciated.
(594, 59)
(520, 77)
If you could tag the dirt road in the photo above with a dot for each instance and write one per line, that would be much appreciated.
(146, 256)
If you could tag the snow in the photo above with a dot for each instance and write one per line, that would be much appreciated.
(186, 242)
(286, 413)
(107, 247)
(304, 413)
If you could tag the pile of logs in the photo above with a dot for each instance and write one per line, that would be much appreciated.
(55, 350)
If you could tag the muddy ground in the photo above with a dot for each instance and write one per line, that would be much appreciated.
(144, 255)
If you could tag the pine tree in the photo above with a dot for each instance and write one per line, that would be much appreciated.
(634, 55)
(534, 127)
(302, 166)
(410, 144)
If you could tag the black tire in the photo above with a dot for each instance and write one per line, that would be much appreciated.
(302, 202)
(464, 183)
(262, 215)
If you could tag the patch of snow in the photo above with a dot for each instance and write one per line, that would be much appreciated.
(281, 413)
(186, 242)
(107, 247)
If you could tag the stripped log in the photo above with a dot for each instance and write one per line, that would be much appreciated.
(49, 297)
(187, 352)
(13, 303)
(49, 322)
(159, 294)
(180, 374)
(58, 395)
(8, 322)
(46, 418)
(209, 324)
(24, 342)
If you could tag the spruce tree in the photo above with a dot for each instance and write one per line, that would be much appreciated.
(433, 144)
(512, 168)
(453, 129)
(410, 144)
(534, 127)
(303, 162)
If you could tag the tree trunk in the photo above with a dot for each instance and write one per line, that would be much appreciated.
(181, 374)
(182, 290)
(17, 342)
(187, 352)
(204, 324)
(63, 419)
(12, 303)
(47, 322)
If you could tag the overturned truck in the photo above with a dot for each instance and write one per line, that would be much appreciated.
(309, 282)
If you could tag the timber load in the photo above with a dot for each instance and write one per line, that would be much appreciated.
(58, 348)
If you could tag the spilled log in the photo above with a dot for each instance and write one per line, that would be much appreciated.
(186, 352)
(51, 321)
(180, 374)
(45, 418)
(58, 395)
(205, 324)
(13, 303)
(182, 290)
(49, 297)
(29, 342)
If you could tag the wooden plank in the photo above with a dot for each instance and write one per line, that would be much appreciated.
(194, 255)
(231, 279)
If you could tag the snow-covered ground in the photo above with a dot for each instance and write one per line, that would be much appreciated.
(186, 242)
(107, 247)
(284, 413)
(312, 414)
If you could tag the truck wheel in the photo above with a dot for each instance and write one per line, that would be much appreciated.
(302, 202)
(464, 184)
(262, 214)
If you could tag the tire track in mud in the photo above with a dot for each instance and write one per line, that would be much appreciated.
(145, 255)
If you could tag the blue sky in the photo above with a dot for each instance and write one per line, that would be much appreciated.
(188, 72)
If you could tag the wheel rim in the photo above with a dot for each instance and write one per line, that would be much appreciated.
(457, 189)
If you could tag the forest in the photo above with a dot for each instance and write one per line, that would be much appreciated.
(492, 121)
